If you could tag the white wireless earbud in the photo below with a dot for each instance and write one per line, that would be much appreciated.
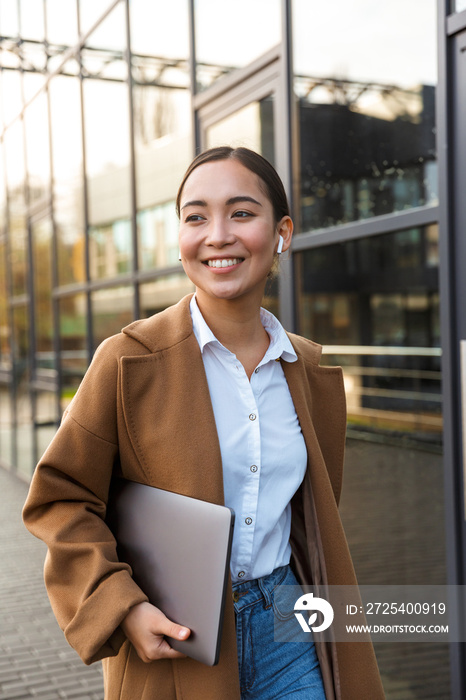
(280, 244)
(179, 256)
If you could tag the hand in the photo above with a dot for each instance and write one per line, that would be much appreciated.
(146, 627)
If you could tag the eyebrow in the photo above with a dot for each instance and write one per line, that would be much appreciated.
(232, 200)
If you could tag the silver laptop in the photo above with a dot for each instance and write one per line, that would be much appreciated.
(179, 550)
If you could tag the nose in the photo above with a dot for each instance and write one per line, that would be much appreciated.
(219, 233)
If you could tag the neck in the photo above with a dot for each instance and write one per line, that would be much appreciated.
(235, 323)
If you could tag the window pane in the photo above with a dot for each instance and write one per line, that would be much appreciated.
(11, 87)
(229, 37)
(106, 120)
(90, 11)
(252, 126)
(112, 309)
(67, 157)
(38, 148)
(158, 236)
(32, 19)
(374, 305)
(162, 123)
(24, 443)
(2, 189)
(73, 344)
(9, 17)
(110, 249)
(14, 152)
(366, 115)
(5, 349)
(459, 5)
(47, 420)
(62, 22)
(157, 295)
(42, 249)
(6, 433)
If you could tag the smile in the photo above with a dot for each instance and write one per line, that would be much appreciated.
(226, 262)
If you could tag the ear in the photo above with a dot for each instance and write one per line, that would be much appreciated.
(285, 230)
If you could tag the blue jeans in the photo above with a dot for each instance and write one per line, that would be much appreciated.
(271, 670)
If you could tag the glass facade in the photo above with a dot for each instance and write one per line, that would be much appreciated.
(366, 114)
(103, 105)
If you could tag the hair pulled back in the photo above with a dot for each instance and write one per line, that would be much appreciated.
(270, 180)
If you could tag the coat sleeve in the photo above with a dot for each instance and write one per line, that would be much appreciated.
(89, 589)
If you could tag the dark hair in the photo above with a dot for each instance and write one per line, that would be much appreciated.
(254, 162)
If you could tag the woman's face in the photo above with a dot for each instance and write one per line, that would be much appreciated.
(228, 236)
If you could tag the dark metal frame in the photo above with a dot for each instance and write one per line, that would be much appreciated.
(448, 26)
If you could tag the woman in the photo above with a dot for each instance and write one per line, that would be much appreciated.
(211, 399)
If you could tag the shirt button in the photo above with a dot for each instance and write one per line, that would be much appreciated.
(248, 521)
(256, 370)
(252, 416)
(253, 467)
(241, 574)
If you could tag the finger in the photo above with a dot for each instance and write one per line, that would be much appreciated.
(169, 628)
(161, 649)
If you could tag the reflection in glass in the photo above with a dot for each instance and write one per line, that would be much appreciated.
(9, 17)
(252, 126)
(158, 236)
(24, 442)
(366, 115)
(231, 38)
(2, 191)
(5, 349)
(392, 508)
(171, 19)
(11, 86)
(73, 344)
(6, 433)
(32, 19)
(42, 251)
(90, 11)
(110, 249)
(161, 111)
(14, 154)
(44, 434)
(104, 52)
(62, 22)
(112, 309)
(38, 148)
(158, 295)
(46, 421)
(374, 305)
(65, 114)
(107, 135)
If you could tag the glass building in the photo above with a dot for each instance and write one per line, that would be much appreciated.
(103, 103)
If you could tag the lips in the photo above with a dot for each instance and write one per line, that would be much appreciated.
(224, 262)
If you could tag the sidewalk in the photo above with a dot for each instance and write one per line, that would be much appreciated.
(35, 659)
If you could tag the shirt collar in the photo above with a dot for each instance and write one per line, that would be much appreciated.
(280, 345)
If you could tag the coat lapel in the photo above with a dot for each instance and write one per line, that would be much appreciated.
(167, 409)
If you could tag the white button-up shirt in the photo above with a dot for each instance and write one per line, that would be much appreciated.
(264, 457)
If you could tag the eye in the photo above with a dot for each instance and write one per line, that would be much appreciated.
(241, 214)
(194, 218)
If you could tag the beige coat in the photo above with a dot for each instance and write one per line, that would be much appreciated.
(143, 410)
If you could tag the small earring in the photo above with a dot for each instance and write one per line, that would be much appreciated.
(280, 244)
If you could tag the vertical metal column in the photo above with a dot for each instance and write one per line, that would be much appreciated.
(451, 116)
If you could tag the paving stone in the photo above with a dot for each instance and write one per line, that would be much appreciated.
(36, 662)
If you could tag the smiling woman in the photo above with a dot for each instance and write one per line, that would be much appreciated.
(213, 399)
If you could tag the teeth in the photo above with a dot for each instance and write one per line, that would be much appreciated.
(228, 262)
